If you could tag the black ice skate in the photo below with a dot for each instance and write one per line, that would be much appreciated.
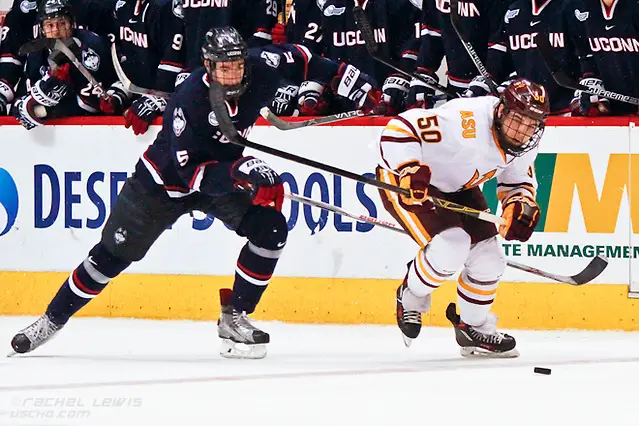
(34, 335)
(484, 341)
(240, 338)
(408, 310)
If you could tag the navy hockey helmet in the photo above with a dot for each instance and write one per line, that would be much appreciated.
(225, 44)
(521, 122)
(49, 9)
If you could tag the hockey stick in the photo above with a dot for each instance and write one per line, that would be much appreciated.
(371, 45)
(285, 125)
(454, 20)
(128, 84)
(589, 273)
(61, 46)
(218, 104)
(562, 79)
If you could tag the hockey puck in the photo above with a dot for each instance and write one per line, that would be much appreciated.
(540, 370)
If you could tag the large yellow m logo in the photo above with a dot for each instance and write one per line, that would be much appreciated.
(600, 214)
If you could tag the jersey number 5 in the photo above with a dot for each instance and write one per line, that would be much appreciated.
(429, 129)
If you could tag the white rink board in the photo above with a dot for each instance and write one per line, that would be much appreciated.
(73, 155)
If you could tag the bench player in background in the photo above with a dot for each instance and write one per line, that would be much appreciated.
(395, 25)
(63, 91)
(606, 33)
(192, 166)
(479, 22)
(20, 26)
(447, 152)
(517, 55)
(150, 45)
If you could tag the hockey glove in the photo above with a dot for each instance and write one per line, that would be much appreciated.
(586, 104)
(419, 94)
(310, 100)
(141, 114)
(4, 105)
(117, 99)
(353, 84)
(29, 112)
(522, 215)
(6, 96)
(394, 91)
(278, 34)
(285, 103)
(414, 177)
(254, 175)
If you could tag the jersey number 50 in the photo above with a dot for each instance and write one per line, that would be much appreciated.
(429, 129)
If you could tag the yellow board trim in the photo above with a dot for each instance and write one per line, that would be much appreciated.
(325, 300)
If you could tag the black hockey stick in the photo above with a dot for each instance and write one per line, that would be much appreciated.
(589, 273)
(218, 104)
(128, 84)
(454, 21)
(562, 79)
(36, 45)
(371, 45)
(273, 119)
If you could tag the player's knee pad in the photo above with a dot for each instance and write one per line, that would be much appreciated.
(265, 228)
(105, 264)
(486, 261)
(448, 250)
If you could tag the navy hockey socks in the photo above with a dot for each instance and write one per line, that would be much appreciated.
(85, 282)
(254, 269)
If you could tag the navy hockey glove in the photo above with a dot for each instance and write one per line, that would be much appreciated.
(284, 103)
(254, 175)
(419, 94)
(29, 112)
(583, 103)
(141, 114)
(310, 99)
(116, 100)
(394, 91)
(4, 105)
(522, 216)
(353, 84)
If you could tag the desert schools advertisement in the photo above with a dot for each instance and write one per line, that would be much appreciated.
(57, 185)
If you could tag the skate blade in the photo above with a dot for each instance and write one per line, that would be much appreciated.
(407, 340)
(12, 353)
(476, 352)
(230, 349)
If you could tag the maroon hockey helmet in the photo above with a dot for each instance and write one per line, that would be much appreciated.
(520, 116)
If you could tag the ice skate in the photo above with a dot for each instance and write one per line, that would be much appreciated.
(409, 311)
(240, 338)
(484, 341)
(35, 335)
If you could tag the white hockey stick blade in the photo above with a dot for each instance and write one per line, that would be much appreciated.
(285, 125)
(128, 84)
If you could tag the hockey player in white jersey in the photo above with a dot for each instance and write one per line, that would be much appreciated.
(447, 152)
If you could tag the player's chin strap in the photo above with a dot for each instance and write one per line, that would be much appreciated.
(589, 273)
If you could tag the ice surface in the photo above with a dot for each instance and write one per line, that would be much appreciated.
(134, 372)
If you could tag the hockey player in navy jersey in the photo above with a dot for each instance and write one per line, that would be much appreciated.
(192, 166)
(515, 51)
(150, 46)
(606, 33)
(479, 22)
(62, 91)
(20, 26)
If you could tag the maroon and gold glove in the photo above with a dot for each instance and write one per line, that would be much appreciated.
(522, 215)
(415, 178)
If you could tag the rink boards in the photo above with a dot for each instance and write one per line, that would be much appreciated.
(57, 185)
